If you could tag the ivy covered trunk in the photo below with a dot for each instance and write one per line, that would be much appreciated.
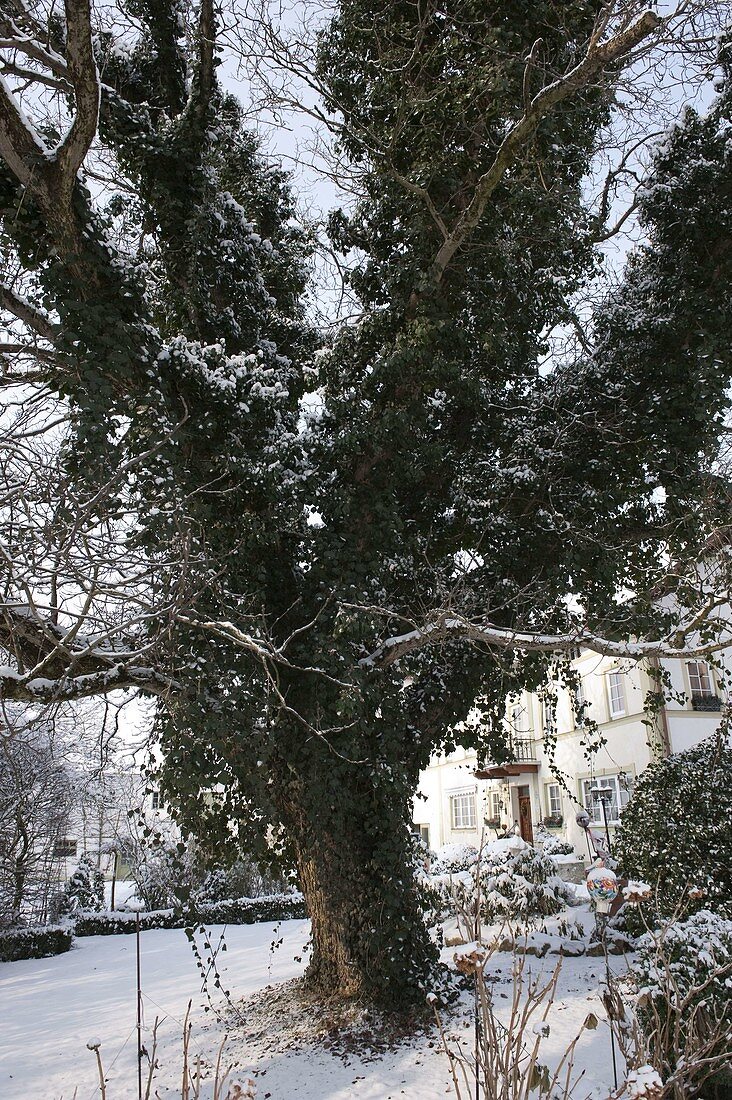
(355, 863)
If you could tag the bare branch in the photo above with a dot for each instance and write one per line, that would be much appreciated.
(82, 69)
(597, 58)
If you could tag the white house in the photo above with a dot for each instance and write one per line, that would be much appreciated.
(461, 798)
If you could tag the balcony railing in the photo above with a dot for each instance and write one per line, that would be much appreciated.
(524, 750)
(705, 702)
(521, 750)
(521, 758)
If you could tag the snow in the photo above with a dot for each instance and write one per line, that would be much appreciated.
(53, 1009)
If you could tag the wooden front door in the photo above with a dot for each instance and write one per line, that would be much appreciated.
(527, 829)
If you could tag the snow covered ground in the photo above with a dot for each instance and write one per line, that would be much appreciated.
(51, 1008)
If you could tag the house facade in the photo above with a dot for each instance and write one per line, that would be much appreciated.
(551, 779)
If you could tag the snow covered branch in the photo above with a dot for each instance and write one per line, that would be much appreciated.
(448, 626)
(41, 689)
(65, 665)
(22, 309)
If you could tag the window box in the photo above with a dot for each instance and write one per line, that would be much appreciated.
(705, 702)
(554, 821)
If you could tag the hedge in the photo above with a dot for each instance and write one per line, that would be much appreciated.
(34, 943)
(234, 911)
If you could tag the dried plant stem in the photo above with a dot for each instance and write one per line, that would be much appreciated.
(153, 1059)
(187, 1027)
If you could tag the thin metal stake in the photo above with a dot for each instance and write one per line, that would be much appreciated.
(139, 1010)
(477, 1034)
(607, 827)
(608, 1005)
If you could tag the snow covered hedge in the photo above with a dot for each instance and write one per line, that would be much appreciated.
(512, 881)
(33, 943)
(233, 911)
(676, 831)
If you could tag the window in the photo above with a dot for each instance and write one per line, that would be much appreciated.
(494, 806)
(616, 693)
(62, 849)
(462, 810)
(616, 804)
(700, 679)
(578, 703)
(703, 690)
(519, 719)
(423, 832)
(553, 800)
(156, 800)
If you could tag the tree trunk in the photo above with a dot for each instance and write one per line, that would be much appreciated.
(355, 862)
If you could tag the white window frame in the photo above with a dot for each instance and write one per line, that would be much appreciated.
(594, 806)
(616, 678)
(462, 811)
(494, 805)
(701, 671)
(553, 800)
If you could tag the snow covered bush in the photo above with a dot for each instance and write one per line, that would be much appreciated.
(275, 907)
(682, 975)
(676, 831)
(451, 859)
(84, 889)
(33, 943)
(508, 880)
(551, 844)
(518, 882)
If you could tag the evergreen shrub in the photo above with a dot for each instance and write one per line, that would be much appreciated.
(450, 859)
(34, 943)
(519, 882)
(552, 844)
(682, 974)
(84, 889)
(676, 831)
(508, 880)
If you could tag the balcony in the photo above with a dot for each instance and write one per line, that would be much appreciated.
(523, 751)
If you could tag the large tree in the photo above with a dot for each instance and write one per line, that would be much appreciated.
(271, 546)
